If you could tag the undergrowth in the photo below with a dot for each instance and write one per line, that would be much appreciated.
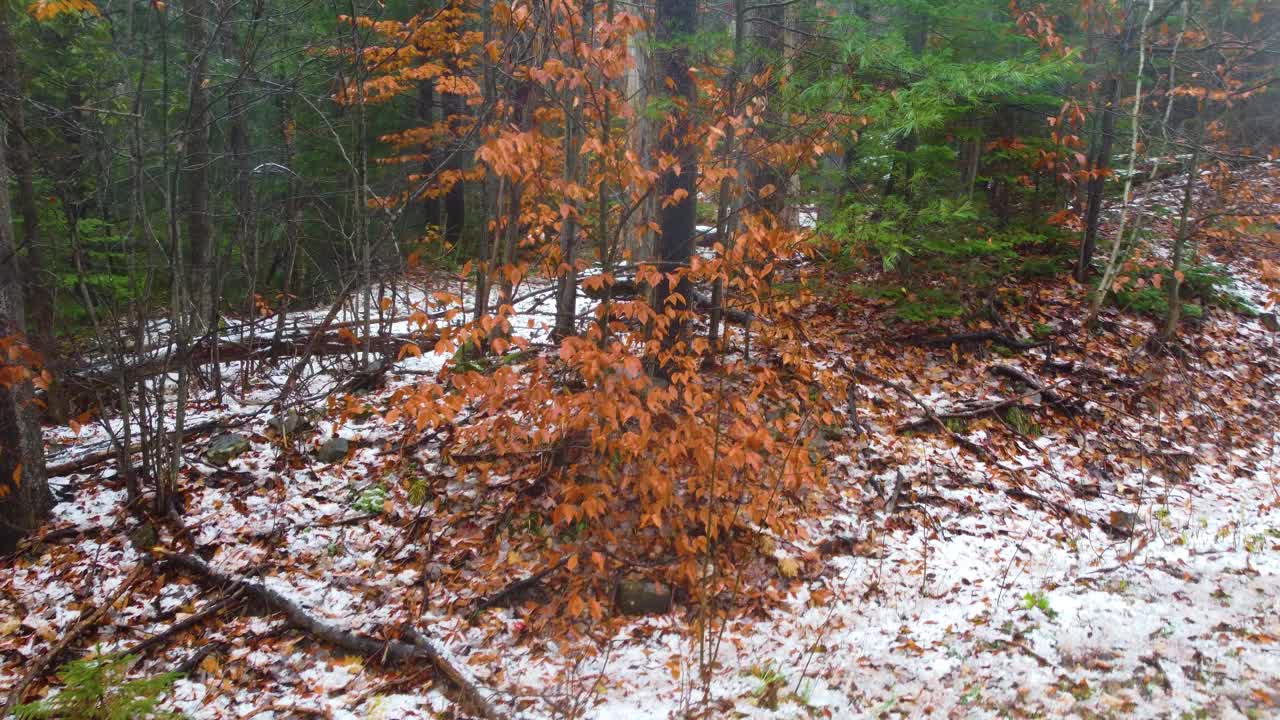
(99, 688)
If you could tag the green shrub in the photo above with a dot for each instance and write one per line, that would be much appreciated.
(1209, 283)
(99, 689)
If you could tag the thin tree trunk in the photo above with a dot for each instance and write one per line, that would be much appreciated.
(567, 282)
(246, 237)
(196, 163)
(1101, 160)
(723, 226)
(1114, 259)
(1180, 242)
(292, 216)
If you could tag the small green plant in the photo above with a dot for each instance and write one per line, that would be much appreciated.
(98, 688)
(956, 425)
(1038, 601)
(419, 491)
(1079, 689)
(1255, 543)
(372, 500)
(804, 695)
(772, 680)
(1021, 422)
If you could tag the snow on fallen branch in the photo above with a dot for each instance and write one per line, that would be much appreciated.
(388, 652)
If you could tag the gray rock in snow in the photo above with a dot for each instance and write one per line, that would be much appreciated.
(333, 450)
(643, 597)
(222, 448)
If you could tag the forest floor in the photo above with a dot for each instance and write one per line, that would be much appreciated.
(1110, 549)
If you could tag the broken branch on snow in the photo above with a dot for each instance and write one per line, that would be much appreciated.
(387, 652)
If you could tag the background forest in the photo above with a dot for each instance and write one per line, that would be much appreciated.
(519, 320)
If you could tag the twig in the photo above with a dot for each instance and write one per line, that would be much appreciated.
(928, 411)
(205, 613)
(516, 588)
(189, 665)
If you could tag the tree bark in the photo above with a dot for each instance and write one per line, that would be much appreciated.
(567, 282)
(768, 23)
(675, 21)
(24, 490)
(39, 284)
(426, 116)
(195, 172)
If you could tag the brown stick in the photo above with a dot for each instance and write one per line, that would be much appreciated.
(387, 652)
(205, 613)
(90, 621)
(516, 588)
(928, 411)
(1026, 378)
(973, 412)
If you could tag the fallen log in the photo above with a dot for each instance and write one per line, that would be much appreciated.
(87, 383)
(973, 338)
(969, 413)
(388, 652)
(964, 442)
(702, 302)
(1046, 393)
(87, 461)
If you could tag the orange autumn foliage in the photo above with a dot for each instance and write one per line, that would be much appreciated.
(675, 471)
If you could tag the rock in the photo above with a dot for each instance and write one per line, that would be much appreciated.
(222, 448)
(144, 537)
(289, 423)
(1270, 322)
(643, 597)
(333, 450)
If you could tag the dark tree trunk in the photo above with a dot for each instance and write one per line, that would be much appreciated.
(24, 490)
(426, 116)
(1100, 162)
(767, 37)
(195, 173)
(675, 21)
(39, 285)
